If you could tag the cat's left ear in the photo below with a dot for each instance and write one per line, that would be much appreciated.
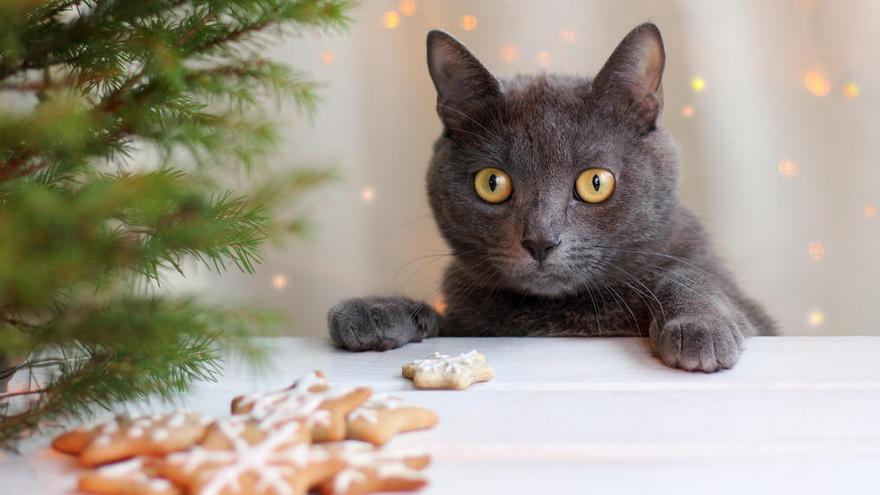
(631, 78)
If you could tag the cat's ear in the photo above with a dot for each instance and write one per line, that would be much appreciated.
(631, 78)
(463, 85)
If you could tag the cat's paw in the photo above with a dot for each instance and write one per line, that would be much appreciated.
(380, 323)
(705, 344)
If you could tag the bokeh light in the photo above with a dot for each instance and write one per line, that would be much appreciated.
(279, 281)
(851, 90)
(870, 210)
(469, 22)
(509, 53)
(815, 318)
(543, 59)
(328, 57)
(567, 36)
(687, 111)
(391, 19)
(440, 304)
(698, 84)
(787, 168)
(368, 194)
(817, 84)
(816, 250)
(407, 7)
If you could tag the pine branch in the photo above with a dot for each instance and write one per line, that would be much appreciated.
(80, 247)
(178, 343)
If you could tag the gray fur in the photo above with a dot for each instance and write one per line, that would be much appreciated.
(637, 264)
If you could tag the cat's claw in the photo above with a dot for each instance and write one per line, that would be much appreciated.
(380, 323)
(698, 344)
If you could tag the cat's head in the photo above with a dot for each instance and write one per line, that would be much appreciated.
(539, 183)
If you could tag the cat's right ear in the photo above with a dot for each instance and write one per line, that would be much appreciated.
(464, 86)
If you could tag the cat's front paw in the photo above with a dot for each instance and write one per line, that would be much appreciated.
(380, 323)
(696, 343)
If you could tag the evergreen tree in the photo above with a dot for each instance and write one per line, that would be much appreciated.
(121, 123)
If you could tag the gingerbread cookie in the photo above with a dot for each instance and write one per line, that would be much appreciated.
(369, 470)
(242, 456)
(323, 408)
(127, 437)
(381, 417)
(137, 476)
(453, 372)
(73, 442)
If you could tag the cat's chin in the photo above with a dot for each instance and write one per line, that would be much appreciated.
(545, 284)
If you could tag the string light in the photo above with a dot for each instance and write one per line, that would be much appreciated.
(851, 90)
(328, 57)
(687, 111)
(816, 250)
(279, 281)
(567, 35)
(816, 83)
(407, 7)
(391, 19)
(368, 194)
(509, 53)
(787, 168)
(543, 59)
(870, 210)
(815, 318)
(469, 22)
(698, 84)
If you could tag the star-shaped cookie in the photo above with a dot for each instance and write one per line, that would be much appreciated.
(451, 372)
(245, 457)
(126, 437)
(369, 470)
(381, 417)
(323, 408)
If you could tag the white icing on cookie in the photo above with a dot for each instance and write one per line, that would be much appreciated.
(176, 420)
(299, 402)
(124, 468)
(273, 460)
(445, 363)
(384, 463)
(134, 470)
(369, 410)
(159, 435)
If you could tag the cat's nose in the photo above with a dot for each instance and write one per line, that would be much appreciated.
(539, 248)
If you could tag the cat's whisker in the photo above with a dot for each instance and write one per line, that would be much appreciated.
(640, 293)
(663, 255)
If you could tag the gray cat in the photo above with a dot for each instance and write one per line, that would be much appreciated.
(558, 197)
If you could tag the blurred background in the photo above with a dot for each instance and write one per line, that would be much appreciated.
(774, 105)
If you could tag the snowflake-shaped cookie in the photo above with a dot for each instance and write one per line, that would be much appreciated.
(311, 399)
(242, 457)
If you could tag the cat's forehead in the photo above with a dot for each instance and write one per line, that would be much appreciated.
(550, 117)
(530, 97)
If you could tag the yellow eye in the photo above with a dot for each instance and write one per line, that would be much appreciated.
(594, 185)
(493, 185)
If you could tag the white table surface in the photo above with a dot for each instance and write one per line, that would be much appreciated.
(599, 416)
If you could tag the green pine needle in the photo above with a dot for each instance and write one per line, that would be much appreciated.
(89, 222)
